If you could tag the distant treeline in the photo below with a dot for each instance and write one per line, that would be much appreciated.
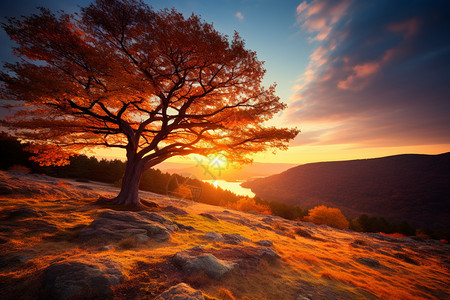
(13, 156)
(81, 167)
(365, 223)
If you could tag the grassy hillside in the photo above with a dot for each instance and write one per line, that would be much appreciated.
(56, 243)
(411, 187)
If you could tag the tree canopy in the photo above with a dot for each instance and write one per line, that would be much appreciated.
(154, 83)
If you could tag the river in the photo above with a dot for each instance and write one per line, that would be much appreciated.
(232, 186)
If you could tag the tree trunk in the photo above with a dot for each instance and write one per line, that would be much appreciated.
(129, 193)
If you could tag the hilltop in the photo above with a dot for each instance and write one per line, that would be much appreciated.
(57, 243)
(410, 187)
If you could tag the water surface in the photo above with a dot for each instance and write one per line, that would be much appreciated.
(232, 186)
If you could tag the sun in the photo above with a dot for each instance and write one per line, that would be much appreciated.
(218, 161)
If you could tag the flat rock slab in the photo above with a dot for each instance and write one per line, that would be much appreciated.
(247, 257)
(25, 212)
(181, 291)
(213, 236)
(370, 262)
(77, 279)
(117, 225)
(234, 238)
(175, 210)
(207, 263)
(265, 243)
(209, 216)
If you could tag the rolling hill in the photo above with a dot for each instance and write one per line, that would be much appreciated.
(57, 242)
(410, 187)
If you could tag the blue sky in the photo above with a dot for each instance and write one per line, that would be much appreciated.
(362, 78)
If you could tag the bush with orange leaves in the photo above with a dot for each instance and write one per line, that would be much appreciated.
(249, 204)
(322, 215)
(183, 192)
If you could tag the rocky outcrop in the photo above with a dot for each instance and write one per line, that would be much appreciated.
(175, 210)
(181, 291)
(25, 212)
(227, 238)
(265, 243)
(247, 257)
(234, 238)
(77, 279)
(207, 263)
(117, 225)
(370, 262)
(213, 236)
(209, 216)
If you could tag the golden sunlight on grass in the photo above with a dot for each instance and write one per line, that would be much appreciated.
(317, 262)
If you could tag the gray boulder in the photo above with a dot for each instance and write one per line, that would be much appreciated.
(181, 291)
(370, 262)
(207, 263)
(175, 210)
(117, 225)
(265, 243)
(209, 216)
(234, 238)
(213, 236)
(72, 280)
(268, 253)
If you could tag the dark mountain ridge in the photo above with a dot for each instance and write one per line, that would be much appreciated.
(408, 187)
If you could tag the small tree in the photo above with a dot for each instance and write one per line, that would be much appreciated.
(154, 83)
(323, 215)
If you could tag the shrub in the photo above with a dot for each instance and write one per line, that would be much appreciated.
(62, 184)
(183, 192)
(365, 223)
(323, 215)
(19, 168)
(287, 211)
(249, 204)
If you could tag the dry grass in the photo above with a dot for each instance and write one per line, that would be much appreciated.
(326, 264)
(225, 294)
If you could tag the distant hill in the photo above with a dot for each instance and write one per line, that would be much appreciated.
(411, 187)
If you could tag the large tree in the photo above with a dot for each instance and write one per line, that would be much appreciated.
(154, 83)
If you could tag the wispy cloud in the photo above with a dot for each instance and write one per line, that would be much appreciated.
(375, 78)
(239, 15)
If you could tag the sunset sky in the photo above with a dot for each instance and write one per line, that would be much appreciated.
(362, 78)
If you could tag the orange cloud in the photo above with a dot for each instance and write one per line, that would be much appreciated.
(320, 17)
(358, 79)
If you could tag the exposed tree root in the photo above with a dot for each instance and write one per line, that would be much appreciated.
(115, 203)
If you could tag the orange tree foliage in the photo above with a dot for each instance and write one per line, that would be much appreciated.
(323, 215)
(154, 83)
